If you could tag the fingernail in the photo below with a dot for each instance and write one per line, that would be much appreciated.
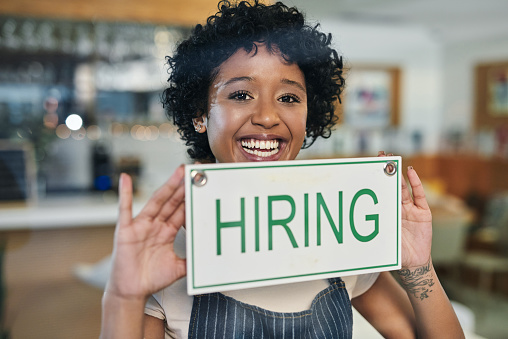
(410, 167)
(390, 154)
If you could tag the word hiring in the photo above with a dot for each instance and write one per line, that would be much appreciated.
(321, 206)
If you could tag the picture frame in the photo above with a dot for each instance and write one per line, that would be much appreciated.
(372, 97)
(491, 94)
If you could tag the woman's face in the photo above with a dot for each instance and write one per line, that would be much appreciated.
(257, 108)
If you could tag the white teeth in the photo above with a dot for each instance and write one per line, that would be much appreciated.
(260, 144)
(261, 148)
(262, 154)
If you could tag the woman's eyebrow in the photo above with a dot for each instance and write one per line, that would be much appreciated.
(237, 79)
(247, 78)
(293, 83)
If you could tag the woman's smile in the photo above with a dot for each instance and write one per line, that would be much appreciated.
(265, 148)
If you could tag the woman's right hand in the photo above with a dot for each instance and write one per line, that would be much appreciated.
(144, 260)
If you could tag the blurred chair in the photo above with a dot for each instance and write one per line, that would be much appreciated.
(495, 228)
(94, 274)
(449, 235)
(450, 227)
(487, 265)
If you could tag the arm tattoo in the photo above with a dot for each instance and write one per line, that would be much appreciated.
(418, 281)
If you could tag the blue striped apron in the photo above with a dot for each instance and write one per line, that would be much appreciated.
(216, 315)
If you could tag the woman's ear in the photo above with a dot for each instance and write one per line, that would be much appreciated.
(200, 123)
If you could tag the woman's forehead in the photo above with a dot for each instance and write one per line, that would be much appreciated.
(261, 56)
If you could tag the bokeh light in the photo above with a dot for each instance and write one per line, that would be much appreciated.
(51, 104)
(140, 133)
(50, 120)
(63, 132)
(117, 129)
(154, 133)
(165, 130)
(79, 134)
(134, 131)
(94, 132)
(74, 122)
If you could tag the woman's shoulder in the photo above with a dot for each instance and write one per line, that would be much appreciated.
(358, 284)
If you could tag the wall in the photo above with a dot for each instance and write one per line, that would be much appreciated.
(418, 55)
(458, 70)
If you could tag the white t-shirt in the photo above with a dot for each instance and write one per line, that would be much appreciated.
(174, 305)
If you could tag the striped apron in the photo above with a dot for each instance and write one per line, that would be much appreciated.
(216, 315)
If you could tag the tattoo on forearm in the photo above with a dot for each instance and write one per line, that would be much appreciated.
(418, 281)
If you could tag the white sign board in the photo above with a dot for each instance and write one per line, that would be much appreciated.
(266, 223)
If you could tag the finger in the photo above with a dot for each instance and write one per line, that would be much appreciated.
(177, 218)
(405, 194)
(159, 198)
(381, 154)
(180, 268)
(125, 199)
(172, 203)
(417, 187)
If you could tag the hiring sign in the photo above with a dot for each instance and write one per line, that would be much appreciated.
(266, 223)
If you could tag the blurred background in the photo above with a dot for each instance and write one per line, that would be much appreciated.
(80, 85)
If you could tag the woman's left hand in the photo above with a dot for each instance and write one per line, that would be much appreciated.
(416, 222)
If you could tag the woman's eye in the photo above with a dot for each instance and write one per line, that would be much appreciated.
(240, 95)
(289, 98)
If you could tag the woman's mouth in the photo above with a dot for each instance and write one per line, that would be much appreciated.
(261, 148)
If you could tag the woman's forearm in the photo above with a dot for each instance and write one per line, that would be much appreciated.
(434, 314)
(122, 317)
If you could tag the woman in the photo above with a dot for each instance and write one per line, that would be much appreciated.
(255, 84)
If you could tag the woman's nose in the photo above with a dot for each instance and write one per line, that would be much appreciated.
(266, 115)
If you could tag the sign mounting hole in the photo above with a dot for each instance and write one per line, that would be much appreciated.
(390, 168)
(199, 178)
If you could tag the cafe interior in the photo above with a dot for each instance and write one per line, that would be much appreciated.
(80, 86)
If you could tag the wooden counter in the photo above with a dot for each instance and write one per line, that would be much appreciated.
(44, 299)
(43, 243)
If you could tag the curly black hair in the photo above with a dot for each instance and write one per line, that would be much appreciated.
(197, 59)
